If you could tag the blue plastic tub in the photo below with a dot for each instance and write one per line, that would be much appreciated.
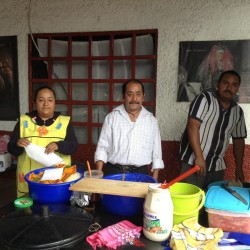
(124, 205)
(49, 193)
(217, 183)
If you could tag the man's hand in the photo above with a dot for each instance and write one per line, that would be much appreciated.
(199, 161)
(99, 165)
(239, 175)
(155, 174)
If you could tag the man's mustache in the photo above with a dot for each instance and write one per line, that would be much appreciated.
(134, 103)
(228, 91)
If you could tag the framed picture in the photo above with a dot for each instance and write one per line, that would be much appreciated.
(9, 90)
(201, 63)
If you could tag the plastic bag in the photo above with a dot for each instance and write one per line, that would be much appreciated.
(80, 198)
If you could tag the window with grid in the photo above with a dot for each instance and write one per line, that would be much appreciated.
(87, 70)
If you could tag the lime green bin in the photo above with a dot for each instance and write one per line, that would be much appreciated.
(187, 199)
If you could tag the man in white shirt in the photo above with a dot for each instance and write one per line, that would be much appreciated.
(130, 137)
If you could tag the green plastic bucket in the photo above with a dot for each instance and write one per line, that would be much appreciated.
(187, 199)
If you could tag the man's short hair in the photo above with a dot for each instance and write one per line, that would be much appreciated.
(124, 86)
(231, 72)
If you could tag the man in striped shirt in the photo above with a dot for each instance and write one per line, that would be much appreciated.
(213, 119)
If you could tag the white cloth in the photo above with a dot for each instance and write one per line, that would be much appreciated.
(130, 143)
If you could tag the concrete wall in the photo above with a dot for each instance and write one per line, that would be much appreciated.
(179, 20)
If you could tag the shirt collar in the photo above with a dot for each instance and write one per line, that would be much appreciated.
(122, 110)
(37, 119)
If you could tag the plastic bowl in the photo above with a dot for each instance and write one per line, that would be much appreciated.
(217, 183)
(49, 193)
(124, 205)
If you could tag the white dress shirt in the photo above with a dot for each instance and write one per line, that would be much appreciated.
(130, 143)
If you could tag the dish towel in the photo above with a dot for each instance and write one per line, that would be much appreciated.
(190, 235)
(116, 235)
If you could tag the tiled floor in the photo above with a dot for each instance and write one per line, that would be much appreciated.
(7, 186)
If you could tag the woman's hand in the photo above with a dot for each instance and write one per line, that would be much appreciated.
(22, 142)
(51, 147)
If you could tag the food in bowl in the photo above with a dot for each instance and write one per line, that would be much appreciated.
(73, 177)
(49, 193)
(229, 221)
(68, 174)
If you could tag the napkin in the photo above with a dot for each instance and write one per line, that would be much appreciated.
(52, 174)
(37, 153)
(190, 235)
(115, 235)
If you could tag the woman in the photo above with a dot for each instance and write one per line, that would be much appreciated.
(43, 127)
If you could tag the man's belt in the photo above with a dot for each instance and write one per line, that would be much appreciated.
(126, 168)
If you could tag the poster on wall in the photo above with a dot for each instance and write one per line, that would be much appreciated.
(9, 90)
(201, 63)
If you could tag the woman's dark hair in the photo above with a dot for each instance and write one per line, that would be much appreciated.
(124, 86)
(231, 72)
(44, 87)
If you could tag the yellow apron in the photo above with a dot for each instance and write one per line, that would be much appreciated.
(42, 136)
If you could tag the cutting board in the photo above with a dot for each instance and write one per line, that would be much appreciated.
(114, 187)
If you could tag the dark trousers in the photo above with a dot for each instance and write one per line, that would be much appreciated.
(110, 169)
(199, 180)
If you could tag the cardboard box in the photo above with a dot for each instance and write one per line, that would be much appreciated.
(5, 161)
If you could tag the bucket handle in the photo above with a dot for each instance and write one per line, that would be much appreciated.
(197, 209)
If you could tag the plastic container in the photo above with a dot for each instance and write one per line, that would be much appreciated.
(231, 183)
(217, 183)
(219, 198)
(5, 161)
(229, 221)
(187, 199)
(227, 212)
(94, 173)
(158, 213)
(23, 202)
(49, 193)
(98, 174)
(124, 205)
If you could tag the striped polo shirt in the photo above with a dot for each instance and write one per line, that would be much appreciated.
(216, 129)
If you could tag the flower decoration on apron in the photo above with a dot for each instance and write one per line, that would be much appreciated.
(42, 131)
(21, 177)
(25, 124)
(59, 125)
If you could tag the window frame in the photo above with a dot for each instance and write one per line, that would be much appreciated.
(89, 36)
